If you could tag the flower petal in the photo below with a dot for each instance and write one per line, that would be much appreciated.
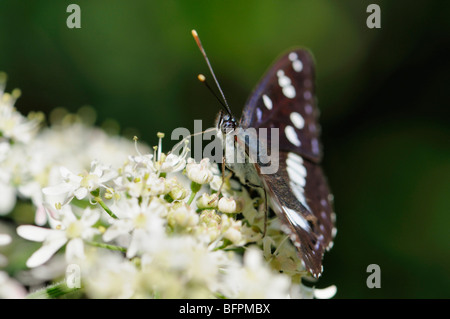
(8, 198)
(325, 293)
(5, 239)
(56, 190)
(120, 227)
(33, 233)
(44, 253)
(81, 193)
(40, 218)
(75, 250)
(90, 217)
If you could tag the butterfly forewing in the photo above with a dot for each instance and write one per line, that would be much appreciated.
(298, 191)
(285, 99)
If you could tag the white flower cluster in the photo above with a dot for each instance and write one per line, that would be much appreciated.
(138, 226)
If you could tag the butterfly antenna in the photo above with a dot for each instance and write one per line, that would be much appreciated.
(199, 44)
(202, 79)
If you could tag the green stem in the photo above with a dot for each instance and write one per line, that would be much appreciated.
(52, 291)
(195, 187)
(191, 198)
(107, 246)
(106, 208)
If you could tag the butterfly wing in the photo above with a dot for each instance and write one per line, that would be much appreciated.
(285, 99)
(298, 191)
(299, 195)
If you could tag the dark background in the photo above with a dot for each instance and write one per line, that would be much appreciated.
(383, 95)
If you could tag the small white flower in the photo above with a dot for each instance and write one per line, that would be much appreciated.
(229, 205)
(70, 230)
(80, 186)
(216, 182)
(14, 125)
(236, 232)
(183, 216)
(143, 161)
(233, 234)
(109, 275)
(254, 280)
(199, 173)
(207, 201)
(159, 162)
(178, 192)
(5, 148)
(139, 221)
(172, 163)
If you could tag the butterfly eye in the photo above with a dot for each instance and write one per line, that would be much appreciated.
(228, 126)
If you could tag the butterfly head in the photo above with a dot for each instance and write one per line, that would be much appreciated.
(226, 123)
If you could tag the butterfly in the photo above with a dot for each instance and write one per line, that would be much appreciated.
(297, 191)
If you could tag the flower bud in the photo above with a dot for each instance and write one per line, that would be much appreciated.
(178, 192)
(229, 205)
(207, 201)
(199, 173)
(234, 235)
(183, 216)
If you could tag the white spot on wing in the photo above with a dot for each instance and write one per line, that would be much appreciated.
(296, 170)
(297, 167)
(289, 91)
(295, 175)
(297, 64)
(267, 102)
(334, 232)
(286, 86)
(294, 157)
(291, 135)
(296, 218)
(297, 119)
(293, 56)
(298, 192)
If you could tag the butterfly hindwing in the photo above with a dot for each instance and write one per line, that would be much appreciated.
(300, 197)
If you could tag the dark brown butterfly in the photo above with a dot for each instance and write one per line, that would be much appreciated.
(297, 191)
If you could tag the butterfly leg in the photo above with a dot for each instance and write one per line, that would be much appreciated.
(266, 212)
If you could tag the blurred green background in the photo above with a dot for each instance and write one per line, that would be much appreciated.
(383, 95)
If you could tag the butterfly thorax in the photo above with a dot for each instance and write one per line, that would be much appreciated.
(236, 152)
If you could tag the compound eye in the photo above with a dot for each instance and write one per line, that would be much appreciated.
(228, 126)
